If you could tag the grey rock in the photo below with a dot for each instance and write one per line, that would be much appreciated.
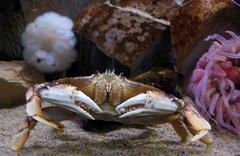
(15, 78)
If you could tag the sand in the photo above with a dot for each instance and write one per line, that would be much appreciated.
(159, 140)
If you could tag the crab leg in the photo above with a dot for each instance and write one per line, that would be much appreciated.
(51, 114)
(197, 125)
(22, 135)
(180, 129)
(34, 109)
(201, 136)
(196, 137)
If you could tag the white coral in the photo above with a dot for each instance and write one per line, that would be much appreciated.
(49, 43)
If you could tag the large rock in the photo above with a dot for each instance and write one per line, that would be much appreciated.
(11, 26)
(70, 8)
(129, 31)
(159, 9)
(15, 78)
(195, 21)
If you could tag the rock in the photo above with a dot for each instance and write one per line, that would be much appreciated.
(128, 31)
(70, 8)
(195, 21)
(11, 26)
(161, 78)
(15, 78)
(91, 59)
(159, 9)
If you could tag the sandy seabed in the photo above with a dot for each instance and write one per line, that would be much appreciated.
(159, 140)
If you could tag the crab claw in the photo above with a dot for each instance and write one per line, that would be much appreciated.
(148, 104)
(236, 2)
(68, 97)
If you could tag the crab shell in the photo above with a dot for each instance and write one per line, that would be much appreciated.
(108, 97)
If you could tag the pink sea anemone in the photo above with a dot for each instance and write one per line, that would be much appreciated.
(215, 81)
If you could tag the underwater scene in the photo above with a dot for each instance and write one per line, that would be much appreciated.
(120, 77)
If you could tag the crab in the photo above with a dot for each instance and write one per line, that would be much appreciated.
(109, 97)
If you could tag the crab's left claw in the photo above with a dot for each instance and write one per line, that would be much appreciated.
(148, 104)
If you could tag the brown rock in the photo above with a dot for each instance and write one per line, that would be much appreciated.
(163, 79)
(195, 21)
(126, 30)
(165, 9)
(11, 26)
(70, 8)
(15, 78)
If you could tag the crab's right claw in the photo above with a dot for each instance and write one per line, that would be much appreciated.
(70, 98)
(60, 95)
(147, 104)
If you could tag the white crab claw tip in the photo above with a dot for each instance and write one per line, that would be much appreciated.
(80, 96)
(84, 113)
(78, 110)
(89, 117)
(138, 99)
